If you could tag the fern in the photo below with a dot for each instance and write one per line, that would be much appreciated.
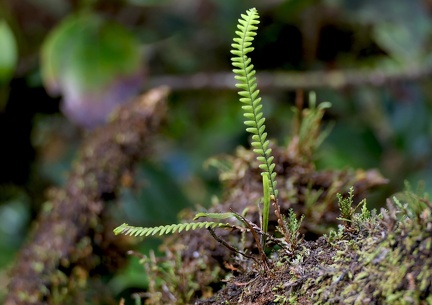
(167, 229)
(245, 74)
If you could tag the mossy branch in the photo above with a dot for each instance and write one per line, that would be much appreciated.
(71, 213)
(245, 74)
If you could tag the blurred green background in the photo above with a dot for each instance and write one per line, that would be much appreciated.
(64, 65)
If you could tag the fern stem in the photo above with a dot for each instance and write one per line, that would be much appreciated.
(266, 206)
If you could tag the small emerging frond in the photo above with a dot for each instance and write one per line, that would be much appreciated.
(167, 229)
(245, 75)
(307, 129)
(345, 205)
(291, 229)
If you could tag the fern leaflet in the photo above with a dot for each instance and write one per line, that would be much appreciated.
(167, 229)
(245, 74)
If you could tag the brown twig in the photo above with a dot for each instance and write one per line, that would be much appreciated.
(231, 248)
(250, 225)
(278, 214)
(308, 80)
(69, 228)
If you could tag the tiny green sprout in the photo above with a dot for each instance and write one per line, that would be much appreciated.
(412, 202)
(334, 236)
(345, 205)
(365, 213)
(294, 226)
(291, 229)
(347, 211)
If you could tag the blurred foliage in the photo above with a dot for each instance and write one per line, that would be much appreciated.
(94, 64)
(393, 26)
(8, 52)
(95, 52)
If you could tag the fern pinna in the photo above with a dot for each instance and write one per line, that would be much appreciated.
(167, 229)
(245, 74)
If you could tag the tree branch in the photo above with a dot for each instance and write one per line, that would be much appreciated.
(336, 79)
(64, 234)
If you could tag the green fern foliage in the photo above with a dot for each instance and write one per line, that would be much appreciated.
(245, 75)
(167, 229)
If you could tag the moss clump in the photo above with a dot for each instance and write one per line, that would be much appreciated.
(383, 258)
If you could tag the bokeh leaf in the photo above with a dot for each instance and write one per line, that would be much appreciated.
(90, 60)
(401, 28)
(8, 52)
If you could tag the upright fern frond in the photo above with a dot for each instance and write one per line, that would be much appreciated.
(245, 74)
(147, 231)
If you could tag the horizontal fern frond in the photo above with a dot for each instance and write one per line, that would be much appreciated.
(249, 95)
(167, 229)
